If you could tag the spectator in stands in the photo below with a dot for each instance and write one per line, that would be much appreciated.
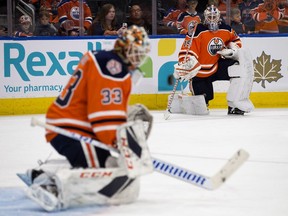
(222, 8)
(68, 10)
(3, 30)
(105, 23)
(45, 28)
(236, 23)
(51, 7)
(266, 16)
(24, 29)
(170, 20)
(246, 17)
(136, 18)
(283, 23)
(221, 5)
(34, 4)
(188, 19)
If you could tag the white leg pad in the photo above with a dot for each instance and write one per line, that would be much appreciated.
(241, 82)
(82, 187)
(190, 105)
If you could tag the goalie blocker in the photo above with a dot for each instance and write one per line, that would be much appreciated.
(118, 183)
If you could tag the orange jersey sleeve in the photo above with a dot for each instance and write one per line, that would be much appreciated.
(94, 101)
(204, 46)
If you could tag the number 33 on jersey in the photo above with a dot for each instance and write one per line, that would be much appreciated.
(94, 101)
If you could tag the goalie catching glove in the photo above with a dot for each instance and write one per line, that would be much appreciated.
(185, 71)
(231, 52)
(140, 112)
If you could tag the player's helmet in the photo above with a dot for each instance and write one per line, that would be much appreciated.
(212, 17)
(134, 45)
(25, 19)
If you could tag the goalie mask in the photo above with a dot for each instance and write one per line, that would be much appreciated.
(212, 18)
(133, 45)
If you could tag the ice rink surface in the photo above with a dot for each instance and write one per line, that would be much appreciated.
(199, 143)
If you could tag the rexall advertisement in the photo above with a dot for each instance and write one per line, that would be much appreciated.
(32, 68)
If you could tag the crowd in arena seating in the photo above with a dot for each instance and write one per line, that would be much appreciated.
(246, 16)
(61, 17)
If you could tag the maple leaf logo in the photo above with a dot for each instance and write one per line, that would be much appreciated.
(266, 70)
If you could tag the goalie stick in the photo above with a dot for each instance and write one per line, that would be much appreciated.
(164, 167)
(168, 111)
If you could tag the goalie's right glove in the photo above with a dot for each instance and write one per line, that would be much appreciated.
(184, 71)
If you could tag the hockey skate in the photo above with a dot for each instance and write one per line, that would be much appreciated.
(235, 111)
(45, 196)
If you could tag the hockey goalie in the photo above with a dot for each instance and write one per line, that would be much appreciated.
(94, 103)
(213, 52)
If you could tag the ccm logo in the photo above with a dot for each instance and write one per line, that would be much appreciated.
(95, 174)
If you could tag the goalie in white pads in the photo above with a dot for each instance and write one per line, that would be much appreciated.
(215, 53)
(94, 104)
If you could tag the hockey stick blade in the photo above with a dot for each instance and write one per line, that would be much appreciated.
(167, 114)
(233, 164)
(199, 180)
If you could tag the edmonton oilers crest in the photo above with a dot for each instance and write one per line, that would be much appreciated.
(74, 13)
(215, 45)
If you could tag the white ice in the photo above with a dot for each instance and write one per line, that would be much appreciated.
(199, 143)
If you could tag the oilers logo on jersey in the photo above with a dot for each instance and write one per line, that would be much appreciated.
(74, 13)
(214, 45)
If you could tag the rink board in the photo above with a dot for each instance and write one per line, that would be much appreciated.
(20, 106)
(33, 73)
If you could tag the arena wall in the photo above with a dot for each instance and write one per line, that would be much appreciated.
(33, 71)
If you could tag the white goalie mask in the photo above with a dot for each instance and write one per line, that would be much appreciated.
(134, 45)
(212, 18)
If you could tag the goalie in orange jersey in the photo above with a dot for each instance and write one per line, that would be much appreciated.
(94, 104)
(213, 52)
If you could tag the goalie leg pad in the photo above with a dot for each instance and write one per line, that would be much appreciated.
(241, 82)
(190, 105)
(82, 187)
(175, 105)
(134, 153)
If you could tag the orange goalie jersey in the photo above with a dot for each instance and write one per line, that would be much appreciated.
(94, 102)
(205, 45)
